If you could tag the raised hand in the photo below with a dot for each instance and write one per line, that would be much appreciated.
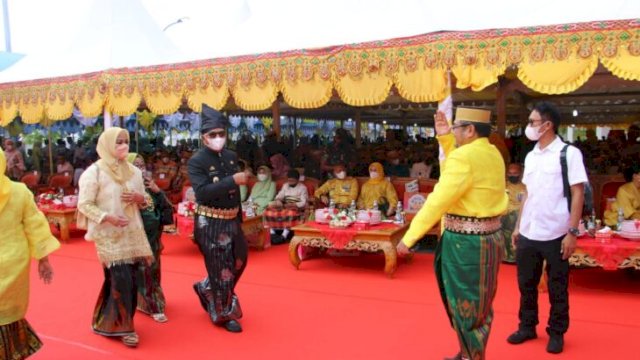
(441, 124)
(240, 178)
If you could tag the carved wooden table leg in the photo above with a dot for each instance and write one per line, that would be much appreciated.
(390, 258)
(293, 251)
(64, 228)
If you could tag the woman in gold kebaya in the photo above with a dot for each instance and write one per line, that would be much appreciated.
(111, 195)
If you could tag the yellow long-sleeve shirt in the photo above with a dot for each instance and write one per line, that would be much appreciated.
(373, 192)
(472, 183)
(627, 198)
(25, 235)
(342, 192)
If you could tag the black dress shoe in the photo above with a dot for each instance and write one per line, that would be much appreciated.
(521, 336)
(201, 296)
(277, 239)
(232, 326)
(556, 344)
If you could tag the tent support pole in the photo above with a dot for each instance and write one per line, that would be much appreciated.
(275, 113)
(358, 119)
(501, 106)
(50, 150)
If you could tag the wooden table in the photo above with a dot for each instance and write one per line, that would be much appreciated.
(255, 232)
(615, 253)
(370, 240)
(62, 218)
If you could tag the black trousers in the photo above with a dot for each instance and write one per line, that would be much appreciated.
(530, 255)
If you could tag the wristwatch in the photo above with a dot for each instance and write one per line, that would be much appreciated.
(573, 231)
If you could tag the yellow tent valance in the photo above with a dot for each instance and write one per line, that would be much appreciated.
(557, 77)
(550, 59)
(626, 62)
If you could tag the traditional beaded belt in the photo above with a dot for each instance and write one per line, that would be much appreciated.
(471, 225)
(226, 214)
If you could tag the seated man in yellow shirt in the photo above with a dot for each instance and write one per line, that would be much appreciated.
(341, 189)
(627, 198)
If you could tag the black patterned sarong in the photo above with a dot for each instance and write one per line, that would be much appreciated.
(225, 251)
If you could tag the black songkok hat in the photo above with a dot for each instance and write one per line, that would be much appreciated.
(212, 119)
(293, 174)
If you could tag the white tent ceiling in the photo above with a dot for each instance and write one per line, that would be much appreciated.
(68, 37)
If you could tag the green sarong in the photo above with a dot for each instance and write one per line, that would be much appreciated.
(467, 271)
(508, 224)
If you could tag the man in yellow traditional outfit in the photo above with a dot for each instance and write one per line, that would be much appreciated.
(471, 196)
(341, 189)
(25, 234)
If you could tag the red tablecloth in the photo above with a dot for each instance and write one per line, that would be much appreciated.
(185, 225)
(609, 254)
(341, 237)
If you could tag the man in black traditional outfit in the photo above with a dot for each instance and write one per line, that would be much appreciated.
(215, 178)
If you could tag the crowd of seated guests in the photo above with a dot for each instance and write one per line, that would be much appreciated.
(334, 161)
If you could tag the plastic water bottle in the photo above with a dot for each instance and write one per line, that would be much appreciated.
(399, 215)
(620, 218)
(332, 204)
(352, 208)
(249, 212)
(591, 222)
(375, 205)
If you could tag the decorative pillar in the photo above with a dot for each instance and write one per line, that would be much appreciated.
(501, 107)
(358, 119)
(275, 113)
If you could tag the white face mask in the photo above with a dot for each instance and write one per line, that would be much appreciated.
(532, 133)
(341, 175)
(216, 144)
(374, 175)
(122, 151)
(262, 177)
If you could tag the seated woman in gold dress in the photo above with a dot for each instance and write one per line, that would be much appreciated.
(379, 190)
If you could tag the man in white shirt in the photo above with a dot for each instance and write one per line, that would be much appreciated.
(547, 229)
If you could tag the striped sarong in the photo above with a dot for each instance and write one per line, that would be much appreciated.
(466, 267)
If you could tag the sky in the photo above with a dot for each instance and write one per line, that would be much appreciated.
(219, 28)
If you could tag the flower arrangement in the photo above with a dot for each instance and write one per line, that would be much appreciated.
(50, 199)
(187, 208)
(340, 218)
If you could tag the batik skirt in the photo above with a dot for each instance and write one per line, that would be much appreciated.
(116, 305)
(18, 340)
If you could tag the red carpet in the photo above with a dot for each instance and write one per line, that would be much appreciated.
(332, 308)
